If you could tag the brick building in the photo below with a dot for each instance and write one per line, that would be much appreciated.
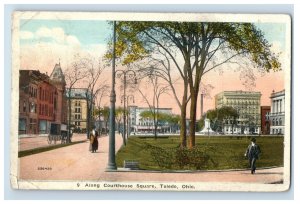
(28, 101)
(47, 94)
(265, 122)
(42, 101)
(60, 101)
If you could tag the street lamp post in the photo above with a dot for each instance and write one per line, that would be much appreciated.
(125, 74)
(111, 154)
(127, 99)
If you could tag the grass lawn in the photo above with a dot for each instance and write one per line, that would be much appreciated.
(225, 152)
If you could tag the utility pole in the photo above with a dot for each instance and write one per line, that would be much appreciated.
(111, 153)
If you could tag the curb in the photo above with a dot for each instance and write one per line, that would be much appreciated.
(189, 171)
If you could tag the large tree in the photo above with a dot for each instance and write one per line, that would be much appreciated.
(201, 46)
(73, 75)
(93, 70)
(158, 90)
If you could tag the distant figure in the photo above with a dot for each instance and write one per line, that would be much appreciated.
(92, 137)
(95, 142)
(252, 154)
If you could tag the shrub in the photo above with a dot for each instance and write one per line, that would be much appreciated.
(182, 158)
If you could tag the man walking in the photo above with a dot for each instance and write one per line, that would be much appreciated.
(252, 154)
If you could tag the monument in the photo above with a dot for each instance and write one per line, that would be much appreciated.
(207, 129)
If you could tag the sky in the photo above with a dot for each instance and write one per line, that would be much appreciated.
(46, 42)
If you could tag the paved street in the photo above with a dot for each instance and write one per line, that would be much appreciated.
(75, 162)
(36, 141)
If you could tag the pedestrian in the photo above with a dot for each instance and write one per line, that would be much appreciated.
(95, 142)
(252, 153)
(92, 137)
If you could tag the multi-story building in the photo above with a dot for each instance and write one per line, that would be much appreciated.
(80, 99)
(28, 101)
(141, 124)
(265, 121)
(60, 101)
(247, 105)
(42, 103)
(46, 112)
(277, 114)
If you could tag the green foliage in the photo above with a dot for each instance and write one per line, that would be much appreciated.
(180, 158)
(209, 153)
(202, 46)
(136, 40)
(163, 117)
(217, 116)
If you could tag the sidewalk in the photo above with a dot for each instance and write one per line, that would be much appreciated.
(36, 141)
(76, 163)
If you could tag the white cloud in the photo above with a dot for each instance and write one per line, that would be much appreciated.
(26, 35)
(43, 32)
(57, 35)
(72, 40)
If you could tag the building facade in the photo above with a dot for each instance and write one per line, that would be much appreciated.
(79, 99)
(277, 115)
(60, 101)
(46, 97)
(247, 104)
(28, 101)
(146, 125)
(42, 103)
(265, 121)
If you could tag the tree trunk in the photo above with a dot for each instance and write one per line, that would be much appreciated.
(193, 114)
(88, 122)
(183, 111)
(183, 126)
(183, 118)
(69, 121)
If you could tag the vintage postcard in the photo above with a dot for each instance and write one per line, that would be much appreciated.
(151, 101)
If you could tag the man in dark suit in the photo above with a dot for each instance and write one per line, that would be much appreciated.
(252, 153)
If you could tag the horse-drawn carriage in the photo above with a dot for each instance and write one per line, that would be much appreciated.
(58, 132)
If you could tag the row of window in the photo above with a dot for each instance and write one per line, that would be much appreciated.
(77, 110)
(32, 92)
(277, 131)
(235, 129)
(77, 116)
(46, 95)
(43, 108)
(276, 122)
(77, 123)
(236, 101)
(77, 103)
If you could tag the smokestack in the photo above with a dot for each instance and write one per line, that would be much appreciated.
(201, 101)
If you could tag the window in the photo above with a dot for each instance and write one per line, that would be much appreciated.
(24, 106)
(280, 121)
(32, 107)
(40, 93)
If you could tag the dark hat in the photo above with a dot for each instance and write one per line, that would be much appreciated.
(253, 139)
